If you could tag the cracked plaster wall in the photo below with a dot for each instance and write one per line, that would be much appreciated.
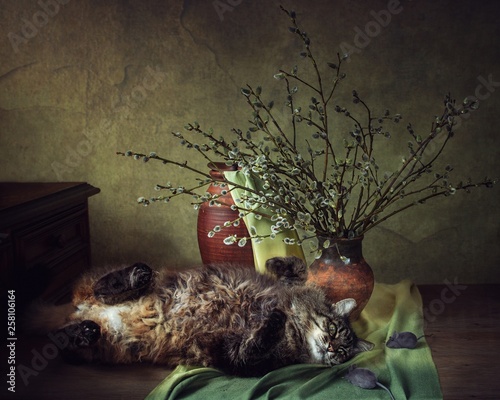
(80, 80)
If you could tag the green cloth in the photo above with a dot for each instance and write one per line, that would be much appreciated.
(268, 247)
(409, 373)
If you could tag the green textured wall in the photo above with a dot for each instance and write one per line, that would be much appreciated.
(80, 80)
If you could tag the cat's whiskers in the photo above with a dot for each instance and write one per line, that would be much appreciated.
(315, 338)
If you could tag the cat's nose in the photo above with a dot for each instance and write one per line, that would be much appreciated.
(330, 348)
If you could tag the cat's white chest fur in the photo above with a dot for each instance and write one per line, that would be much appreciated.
(112, 314)
(312, 341)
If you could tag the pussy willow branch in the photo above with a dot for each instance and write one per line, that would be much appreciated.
(372, 224)
(385, 196)
(192, 169)
(191, 191)
(286, 148)
(395, 188)
(319, 90)
(224, 180)
(167, 161)
(323, 187)
(407, 179)
(292, 110)
(337, 78)
(264, 127)
(369, 148)
(285, 173)
(249, 143)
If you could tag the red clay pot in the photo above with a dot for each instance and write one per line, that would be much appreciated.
(212, 249)
(340, 280)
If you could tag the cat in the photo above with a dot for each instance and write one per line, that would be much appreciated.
(227, 317)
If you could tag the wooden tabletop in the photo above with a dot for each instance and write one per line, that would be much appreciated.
(18, 193)
(464, 321)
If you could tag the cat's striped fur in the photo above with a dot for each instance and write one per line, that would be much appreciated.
(227, 317)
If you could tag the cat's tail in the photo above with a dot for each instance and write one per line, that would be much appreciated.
(42, 318)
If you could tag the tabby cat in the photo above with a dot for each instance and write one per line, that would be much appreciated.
(227, 317)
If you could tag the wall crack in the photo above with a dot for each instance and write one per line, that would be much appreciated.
(14, 70)
(203, 43)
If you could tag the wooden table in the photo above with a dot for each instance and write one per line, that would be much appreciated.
(464, 321)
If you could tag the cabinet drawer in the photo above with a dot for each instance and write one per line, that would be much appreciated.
(51, 242)
(63, 276)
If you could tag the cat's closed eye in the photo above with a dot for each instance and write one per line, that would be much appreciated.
(332, 331)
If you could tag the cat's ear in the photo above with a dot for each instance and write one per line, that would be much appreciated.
(344, 307)
(362, 345)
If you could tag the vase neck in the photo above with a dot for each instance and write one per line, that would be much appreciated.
(351, 249)
(217, 169)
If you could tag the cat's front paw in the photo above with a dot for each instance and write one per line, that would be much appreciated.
(274, 328)
(277, 321)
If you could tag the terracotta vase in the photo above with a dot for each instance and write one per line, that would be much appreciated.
(213, 249)
(342, 272)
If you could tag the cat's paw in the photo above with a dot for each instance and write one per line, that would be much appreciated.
(264, 340)
(124, 284)
(140, 276)
(277, 319)
(289, 270)
(78, 341)
(274, 328)
(83, 334)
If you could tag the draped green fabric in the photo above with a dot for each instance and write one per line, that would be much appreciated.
(409, 373)
(268, 248)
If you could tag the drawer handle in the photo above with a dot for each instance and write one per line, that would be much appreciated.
(59, 240)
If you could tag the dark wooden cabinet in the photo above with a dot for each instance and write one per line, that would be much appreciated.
(44, 238)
